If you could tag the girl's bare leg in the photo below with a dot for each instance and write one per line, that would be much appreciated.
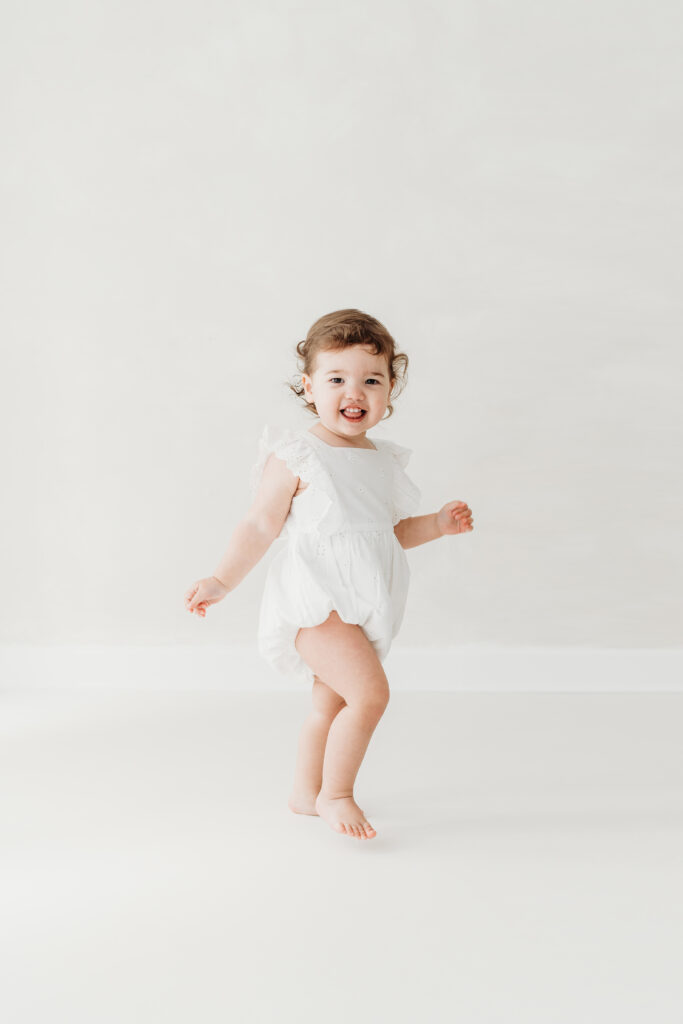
(308, 775)
(341, 654)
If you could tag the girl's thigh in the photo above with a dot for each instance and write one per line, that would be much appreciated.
(340, 654)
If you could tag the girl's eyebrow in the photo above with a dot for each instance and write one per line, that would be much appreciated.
(370, 373)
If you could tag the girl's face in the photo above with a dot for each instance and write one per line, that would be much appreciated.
(349, 377)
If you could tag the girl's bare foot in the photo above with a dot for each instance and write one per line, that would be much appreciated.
(302, 803)
(344, 815)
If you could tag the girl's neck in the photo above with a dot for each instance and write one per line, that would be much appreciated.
(338, 440)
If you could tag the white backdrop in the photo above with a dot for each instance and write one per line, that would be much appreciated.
(187, 187)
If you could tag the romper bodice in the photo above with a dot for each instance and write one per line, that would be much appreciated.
(349, 489)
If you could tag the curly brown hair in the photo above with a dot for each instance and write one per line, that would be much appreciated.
(344, 328)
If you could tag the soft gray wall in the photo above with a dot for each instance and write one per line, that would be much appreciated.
(186, 187)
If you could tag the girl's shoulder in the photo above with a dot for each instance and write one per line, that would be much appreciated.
(400, 452)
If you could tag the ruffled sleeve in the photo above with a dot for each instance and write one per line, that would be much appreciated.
(287, 445)
(322, 512)
(405, 494)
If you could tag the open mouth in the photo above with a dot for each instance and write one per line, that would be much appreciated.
(353, 416)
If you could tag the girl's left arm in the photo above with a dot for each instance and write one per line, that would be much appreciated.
(454, 517)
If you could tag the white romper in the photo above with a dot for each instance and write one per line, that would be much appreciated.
(342, 553)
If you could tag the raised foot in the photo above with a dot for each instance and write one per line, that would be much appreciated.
(344, 815)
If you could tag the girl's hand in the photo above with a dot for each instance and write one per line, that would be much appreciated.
(204, 593)
(454, 517)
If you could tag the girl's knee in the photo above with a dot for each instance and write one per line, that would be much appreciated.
(374, 700)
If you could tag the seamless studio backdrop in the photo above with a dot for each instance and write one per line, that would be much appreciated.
(186, 189)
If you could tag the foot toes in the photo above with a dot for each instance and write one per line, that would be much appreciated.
(359, 829)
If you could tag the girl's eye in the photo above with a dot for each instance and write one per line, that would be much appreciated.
(333, 379)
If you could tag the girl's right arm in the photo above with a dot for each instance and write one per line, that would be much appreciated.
(251, 538)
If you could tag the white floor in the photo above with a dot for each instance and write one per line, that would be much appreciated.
(528, 865)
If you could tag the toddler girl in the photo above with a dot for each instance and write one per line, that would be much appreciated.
(335, 594)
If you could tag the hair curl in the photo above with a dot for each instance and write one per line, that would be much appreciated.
(344, 328)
